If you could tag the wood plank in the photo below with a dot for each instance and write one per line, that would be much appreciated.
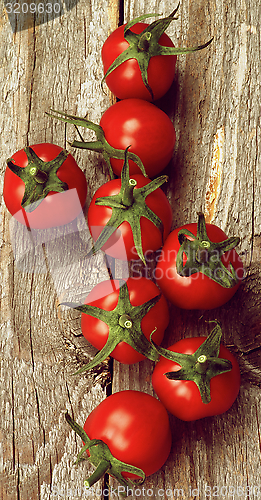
(52, 65)
(214, 105)
(215, 168)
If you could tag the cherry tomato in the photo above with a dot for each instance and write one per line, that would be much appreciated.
(56, 209)
(126, 81)
(121, 244)
(182, 397)
(105, 295)
(145, 128)
(197, 291)
(135, 426)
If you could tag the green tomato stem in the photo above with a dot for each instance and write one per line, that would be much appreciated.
(127, 195)
(143, 43)
(103, 466)
(39, 175)
(201, 364)
(125, 321)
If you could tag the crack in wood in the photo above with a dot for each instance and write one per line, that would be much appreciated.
(31, 85)
(215, 176)
(253, 202)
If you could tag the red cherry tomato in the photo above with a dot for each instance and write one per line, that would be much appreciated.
(196, 291)
(135, 426)
(182, 397)
(125, 81)
(145, 128)
(56, 209)
(105, 295)
(121, 245)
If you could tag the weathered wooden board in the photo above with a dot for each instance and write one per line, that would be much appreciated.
(216, 168)
(53, 65)
(214, 105)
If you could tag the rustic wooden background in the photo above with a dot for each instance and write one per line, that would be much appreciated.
(215, 106)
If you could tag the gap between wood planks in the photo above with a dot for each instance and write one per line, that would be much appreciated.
(121, 12)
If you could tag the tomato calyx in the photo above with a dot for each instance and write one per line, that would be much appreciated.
(129, 205)
(40, 177)
(145, 45)
(203, 255)
(201, 366)
(101, 457)
(101, 145)
(124, 323)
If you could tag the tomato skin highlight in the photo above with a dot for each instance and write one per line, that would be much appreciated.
(105, 296)
(145, 128)
(182, 397)
(125, 82)
(121, 245)
(196, 291)
(56, 209)
(135, 426)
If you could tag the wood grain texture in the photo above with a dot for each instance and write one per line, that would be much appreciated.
(214, 105)
(215, 168)
(53, 65)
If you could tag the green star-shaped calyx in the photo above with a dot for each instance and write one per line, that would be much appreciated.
(124, 323)
(129, 205)
(204, 255)
(40, 177)
(201, 366)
